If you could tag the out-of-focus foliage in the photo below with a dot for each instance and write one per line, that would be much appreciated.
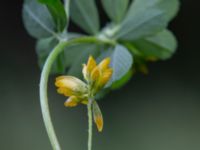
(138, 29)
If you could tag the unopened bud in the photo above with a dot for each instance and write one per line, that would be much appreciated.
(72, 101)
(98, 118)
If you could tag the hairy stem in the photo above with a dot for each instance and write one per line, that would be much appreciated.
(89, 106)
(44, 84)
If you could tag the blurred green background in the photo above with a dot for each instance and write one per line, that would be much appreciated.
(160, 111)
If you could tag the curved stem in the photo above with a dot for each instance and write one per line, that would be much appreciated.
(89, 106)
(44, 83)
(44, 99)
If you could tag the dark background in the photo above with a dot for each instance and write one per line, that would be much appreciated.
(160, 111)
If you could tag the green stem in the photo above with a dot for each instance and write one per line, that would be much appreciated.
(67, 3)
(44, 99)
(89, 106)
(44, 83)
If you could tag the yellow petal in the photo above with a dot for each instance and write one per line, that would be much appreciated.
(99, 123)
(104, 64)
(91, 64)
(105, 77)
(72, 101)
(95, 74)
(84, 72)
(98, 118)
(69, 85)
(65, 91)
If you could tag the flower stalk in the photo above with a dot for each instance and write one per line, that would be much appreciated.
(89, 109)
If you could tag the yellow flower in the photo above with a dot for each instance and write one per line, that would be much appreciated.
(78, 91)
(69, 85)
(72, 87)
(97, 75)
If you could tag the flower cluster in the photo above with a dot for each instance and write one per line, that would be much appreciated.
(96, 77)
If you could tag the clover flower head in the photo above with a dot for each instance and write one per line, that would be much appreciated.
(77, 91)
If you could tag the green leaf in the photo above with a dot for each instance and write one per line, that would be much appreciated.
(38, 20)
(121, 62)
(146, 17)
(160, 46)
(84, 13)
(58, 13)
(43, 48)
(116, 9)
(171, 8)
(124, 80)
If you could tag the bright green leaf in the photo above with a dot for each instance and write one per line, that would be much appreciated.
(38, 20)
(58, 13)
(147, 17)
(116, 9)
(118, 84)
(84, 13)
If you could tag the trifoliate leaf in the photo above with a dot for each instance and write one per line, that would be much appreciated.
(147, 17)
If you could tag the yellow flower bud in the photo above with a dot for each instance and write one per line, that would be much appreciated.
(84, 72)
(98, 118)
(95, 74)
(104, 64)
(91, 64)
(106, 75)
(69, 85)
(72, 101)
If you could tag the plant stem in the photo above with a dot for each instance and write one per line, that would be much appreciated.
(89, 106)
(44, 84)
(44, 99)
(67, 3)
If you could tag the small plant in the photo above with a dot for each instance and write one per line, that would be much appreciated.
(136, 34)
